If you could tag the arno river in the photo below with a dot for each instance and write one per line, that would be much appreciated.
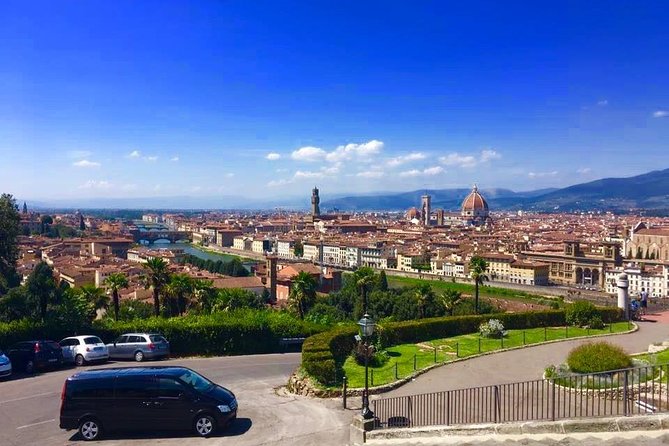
(189, 249)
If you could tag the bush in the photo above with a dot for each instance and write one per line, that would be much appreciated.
(492, 329)
(579, 313)
(596, 322)
(596, 357)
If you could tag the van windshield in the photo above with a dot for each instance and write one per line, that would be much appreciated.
(198, 382)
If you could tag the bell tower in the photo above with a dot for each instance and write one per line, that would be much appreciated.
(315, 201)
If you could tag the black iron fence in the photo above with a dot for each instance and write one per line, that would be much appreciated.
(623, 392)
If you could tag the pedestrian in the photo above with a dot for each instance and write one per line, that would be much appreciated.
(644, 301)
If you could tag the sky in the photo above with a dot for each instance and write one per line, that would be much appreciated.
(269, 98)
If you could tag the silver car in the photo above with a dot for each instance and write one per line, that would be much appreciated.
(83, 349)
(139, 346)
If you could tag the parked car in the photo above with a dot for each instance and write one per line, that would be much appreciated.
(144, 398)
(139, 346)
(32, 355)
(83, 349)
(5, 365)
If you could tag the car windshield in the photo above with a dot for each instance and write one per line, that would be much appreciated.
(196, 381)
(92, 340)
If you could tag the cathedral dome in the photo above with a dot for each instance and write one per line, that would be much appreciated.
(474, 204)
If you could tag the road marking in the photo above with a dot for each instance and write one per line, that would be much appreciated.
(36, 424)
(28, 397)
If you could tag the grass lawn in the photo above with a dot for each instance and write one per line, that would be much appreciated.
(484, 291)
(654, 358)
(407, 358)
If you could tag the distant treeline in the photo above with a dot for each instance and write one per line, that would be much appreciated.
(232, 268)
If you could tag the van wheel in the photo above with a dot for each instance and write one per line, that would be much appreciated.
(30, 367)
(79, 360)
(139, 356)
(90, 429)
(204, 425)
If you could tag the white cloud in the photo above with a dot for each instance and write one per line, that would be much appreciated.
(455, 159)
(273, 156)
(661, 114)
(78, 154)
(542, 174)
(603, 102)
(488, 155)
(134, 154)
(281, 170)
(308, 153)
(436, 170)
(307, 174)
(175, 158)
(370, 174)
(414, 156)
(278, 183)
(364, 151)
(151, 158)
(410, 173)
(96, 184)
(229, 175)
(584, 170)
(86, 164)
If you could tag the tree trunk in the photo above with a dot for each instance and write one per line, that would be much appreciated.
(116, 304)
(156, 302)
(476, 292)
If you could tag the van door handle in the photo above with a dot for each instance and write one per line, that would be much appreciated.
(147, 403)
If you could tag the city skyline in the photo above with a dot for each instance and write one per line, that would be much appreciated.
(264, 101)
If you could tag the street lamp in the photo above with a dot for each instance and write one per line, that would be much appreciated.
(367, 328)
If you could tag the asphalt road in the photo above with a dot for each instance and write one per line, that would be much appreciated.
(29, 407)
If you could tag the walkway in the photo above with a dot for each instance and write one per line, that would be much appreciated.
(527, 363)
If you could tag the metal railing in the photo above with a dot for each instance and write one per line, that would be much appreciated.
(623, 392)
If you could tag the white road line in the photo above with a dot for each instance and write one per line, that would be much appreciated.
(36, 424)
(28, 397)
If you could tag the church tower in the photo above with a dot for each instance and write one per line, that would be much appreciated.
(426, 209)
(25, 208)
(315, 201)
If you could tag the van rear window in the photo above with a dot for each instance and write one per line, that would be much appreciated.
(92, 340)
(157, 338)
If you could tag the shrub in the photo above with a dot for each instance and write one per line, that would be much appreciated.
(596, 357)
(596, 322)
(492, 329)
(579, 313)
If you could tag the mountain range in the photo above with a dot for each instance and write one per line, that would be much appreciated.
(649, 191)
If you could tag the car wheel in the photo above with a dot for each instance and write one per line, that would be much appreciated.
(139, 356)
(30, 367)
(90, 429)
(204, 425)
(79, 360)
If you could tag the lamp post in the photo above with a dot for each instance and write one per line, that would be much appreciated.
(367, 328)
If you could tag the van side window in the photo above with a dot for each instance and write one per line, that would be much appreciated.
(135, 339)
(90, 388)
(170, 388)
(121, 340)
(135, 387)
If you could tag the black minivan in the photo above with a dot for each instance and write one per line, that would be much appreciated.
(144, 398)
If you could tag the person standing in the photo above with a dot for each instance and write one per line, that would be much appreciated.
(644, 301)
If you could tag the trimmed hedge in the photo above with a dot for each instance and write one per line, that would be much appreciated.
(324, 354)
(234, 333)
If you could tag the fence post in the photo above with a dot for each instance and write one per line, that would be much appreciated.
(479, 345)
(610, 327)
(502, 339)
(396, 374)
(372, 378)
(566, 331)
(496, 402)
(414, 362)
(545, 334)
(553, 400)
(523, 337)
(625, 393)
(343, 393)
(457, 349)
(435, 355)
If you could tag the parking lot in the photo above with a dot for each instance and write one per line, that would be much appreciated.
(29, 407)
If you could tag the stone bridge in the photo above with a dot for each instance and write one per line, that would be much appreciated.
(152, 236)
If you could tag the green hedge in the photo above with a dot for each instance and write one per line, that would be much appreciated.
(234, 333)
(324, 354)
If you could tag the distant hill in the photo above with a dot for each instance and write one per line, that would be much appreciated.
(648, 191)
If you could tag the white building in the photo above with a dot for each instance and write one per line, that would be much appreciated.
(654, 279)
(285, 249)
(311, 252)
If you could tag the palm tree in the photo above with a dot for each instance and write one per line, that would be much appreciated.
(424, 295)
(156, 277)
(114, 282)
(203, 291)
(179, 287)
(302, 293)
(477, 270)
(449, 300)
(364, 283)
(95, 297)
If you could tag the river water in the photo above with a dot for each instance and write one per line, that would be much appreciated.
(189, 249)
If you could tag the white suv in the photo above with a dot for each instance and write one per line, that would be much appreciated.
(83, 349)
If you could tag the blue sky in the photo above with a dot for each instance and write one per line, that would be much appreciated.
(123, 99)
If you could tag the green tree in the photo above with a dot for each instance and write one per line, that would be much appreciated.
(178, 289)
(114, 282)
(14, 305)
(203, 292)
(73, 311)
(42, 290)
(229, 299)
(131, 309)
(383, 281)
(10, 228)
(477, 270)
(45, 222)
(298, 249)
(95, 297)
(449, 300)
(302, 293)
(82, 225)
(156, 276)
